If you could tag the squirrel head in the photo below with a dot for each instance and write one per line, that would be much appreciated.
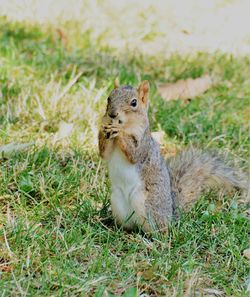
(127, 105)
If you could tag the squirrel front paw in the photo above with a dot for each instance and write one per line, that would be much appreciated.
(111, 131)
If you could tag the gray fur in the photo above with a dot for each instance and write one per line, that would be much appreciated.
(194, 171)
(156, 180)
(177, 182)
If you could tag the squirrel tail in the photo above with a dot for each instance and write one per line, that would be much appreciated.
(194, 171)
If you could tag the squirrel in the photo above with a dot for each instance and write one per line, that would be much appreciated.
(148, 190)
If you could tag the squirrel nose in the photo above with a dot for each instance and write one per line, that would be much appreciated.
(113, 115)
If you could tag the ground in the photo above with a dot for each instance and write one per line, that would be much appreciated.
(57, 237)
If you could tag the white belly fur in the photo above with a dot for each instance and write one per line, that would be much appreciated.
(127, 199)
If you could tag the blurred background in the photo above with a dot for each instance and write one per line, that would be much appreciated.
(58, 61)
(151, 27)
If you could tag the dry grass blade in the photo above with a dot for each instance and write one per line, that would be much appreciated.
(14, 147)
(65, 130)
(213, 292)
(67, 88)
(7, 244)
(185, 89)
(190, 284)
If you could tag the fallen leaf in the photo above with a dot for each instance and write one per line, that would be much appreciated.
(185, 89)
(246, 253)
(56, 98)
(6, 268)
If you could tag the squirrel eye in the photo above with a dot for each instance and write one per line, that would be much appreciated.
(133, 103)
(108, 100)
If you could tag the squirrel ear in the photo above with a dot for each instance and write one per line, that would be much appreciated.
(143, 92)
(116, 83)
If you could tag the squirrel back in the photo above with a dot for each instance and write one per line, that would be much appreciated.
(146, 189)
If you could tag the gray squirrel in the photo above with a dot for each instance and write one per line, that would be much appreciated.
(146, 189)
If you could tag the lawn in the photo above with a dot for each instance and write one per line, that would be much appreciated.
(57, 236)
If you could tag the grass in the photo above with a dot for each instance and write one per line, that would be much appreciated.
(57, 237)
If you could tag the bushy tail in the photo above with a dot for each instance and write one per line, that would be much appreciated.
(194, 171)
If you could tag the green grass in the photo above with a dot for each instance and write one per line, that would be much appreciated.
(57, 236)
